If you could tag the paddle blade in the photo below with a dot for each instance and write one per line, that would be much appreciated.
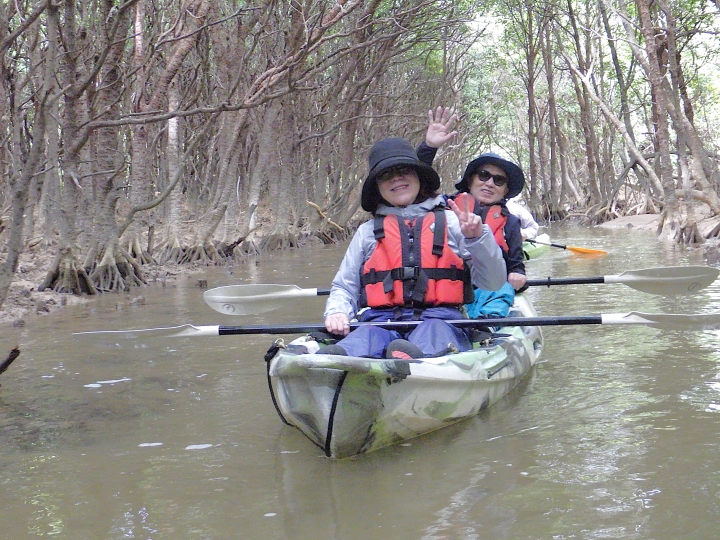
(666, 321)
(115, 337)
(253, 298)
(668, 280)
(585, 251)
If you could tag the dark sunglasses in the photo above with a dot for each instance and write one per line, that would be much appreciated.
(392, 172)
(498, 179)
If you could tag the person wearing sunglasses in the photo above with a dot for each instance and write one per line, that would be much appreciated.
(418, 258)
(485, 187)
(488, 183)
(491, 180)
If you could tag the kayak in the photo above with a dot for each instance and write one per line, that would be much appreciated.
(532, 250)
(349, 406)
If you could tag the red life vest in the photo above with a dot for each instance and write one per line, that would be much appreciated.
(493, 215)
(413, 266)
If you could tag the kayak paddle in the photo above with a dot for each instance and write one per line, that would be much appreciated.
(260, 298)
(574, 249)
(704, 321)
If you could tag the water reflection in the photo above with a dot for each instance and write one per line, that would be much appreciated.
(614, 434)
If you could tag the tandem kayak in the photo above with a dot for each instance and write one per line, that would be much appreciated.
(349, 406)
(532, 250)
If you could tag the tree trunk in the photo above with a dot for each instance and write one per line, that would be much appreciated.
(671, 220)
(19, 185)
(586, 114)
(66, 274)
(171, 249)
(190, 20)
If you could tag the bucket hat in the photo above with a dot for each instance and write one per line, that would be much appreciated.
(516, 178)
(388, 153)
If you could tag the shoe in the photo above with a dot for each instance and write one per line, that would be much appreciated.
(337, 350)
(402, 349)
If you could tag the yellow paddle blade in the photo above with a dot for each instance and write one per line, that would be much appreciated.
(585, 251)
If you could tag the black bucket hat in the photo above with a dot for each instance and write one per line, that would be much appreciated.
(391, 153)
(516, 178)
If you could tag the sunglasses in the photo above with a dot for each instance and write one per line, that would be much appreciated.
(392, 172)
(498, 179)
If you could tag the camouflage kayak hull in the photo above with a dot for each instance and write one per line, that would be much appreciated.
(349, 406)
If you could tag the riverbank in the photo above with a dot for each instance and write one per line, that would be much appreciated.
(24, 300)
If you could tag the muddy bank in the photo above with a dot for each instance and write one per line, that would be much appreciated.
(708, 224)
(643, 222)
(24, 300)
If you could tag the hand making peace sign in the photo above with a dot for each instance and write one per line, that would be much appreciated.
(470, 223)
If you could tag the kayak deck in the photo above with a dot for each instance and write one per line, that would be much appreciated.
(349, 406)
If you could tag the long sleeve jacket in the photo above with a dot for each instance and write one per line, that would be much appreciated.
(528, 226)
(514, 259)
(482, 253)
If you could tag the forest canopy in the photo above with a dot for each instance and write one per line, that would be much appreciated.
(197, 131)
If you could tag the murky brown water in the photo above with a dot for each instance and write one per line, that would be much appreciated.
(614, 435)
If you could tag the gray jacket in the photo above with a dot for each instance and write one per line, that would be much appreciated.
(482, 254)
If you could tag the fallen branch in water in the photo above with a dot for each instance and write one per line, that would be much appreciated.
(10, 359)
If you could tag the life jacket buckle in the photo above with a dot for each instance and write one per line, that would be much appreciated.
(405, 273)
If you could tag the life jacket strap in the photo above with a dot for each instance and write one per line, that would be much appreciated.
(405, 273)
(439, 233)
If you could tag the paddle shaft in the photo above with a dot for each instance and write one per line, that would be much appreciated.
(668, 321)
(407, 325)
(564, 281)
(706, 321)
(545, 282)
(547, 244)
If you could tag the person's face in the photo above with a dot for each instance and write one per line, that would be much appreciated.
(399, 186)
(483, 186)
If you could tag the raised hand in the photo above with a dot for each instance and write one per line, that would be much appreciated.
(470, 223)
(440, 124)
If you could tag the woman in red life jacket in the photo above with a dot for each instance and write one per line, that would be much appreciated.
(489, 181)
(415, 260)
(485, 187)
(492, 181)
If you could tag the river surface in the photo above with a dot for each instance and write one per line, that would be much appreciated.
(615, 434)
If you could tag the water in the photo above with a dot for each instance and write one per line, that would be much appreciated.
(613, 435)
